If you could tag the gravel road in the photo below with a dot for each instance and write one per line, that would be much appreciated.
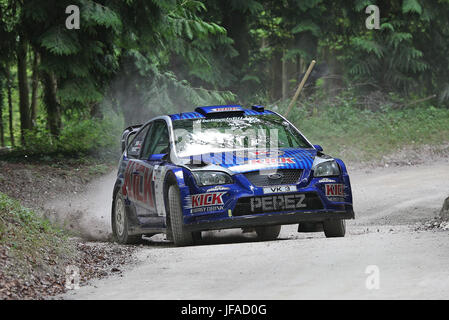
(381, 257)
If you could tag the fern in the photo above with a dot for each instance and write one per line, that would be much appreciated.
(95, 13)
(411, 6)
(368, 46)
(398, 38)
(58, 40)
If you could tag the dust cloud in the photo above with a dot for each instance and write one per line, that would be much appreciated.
(86, 214)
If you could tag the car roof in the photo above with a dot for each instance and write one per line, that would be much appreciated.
(220, 111)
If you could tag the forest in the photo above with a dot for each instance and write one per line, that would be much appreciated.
(70, 92)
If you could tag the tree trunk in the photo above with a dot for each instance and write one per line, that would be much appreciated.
(11, 128)
(333, 82)
(34, 89)
(51, 104)
(2, 128)
(276, 76)
(24, 102)
(235, 21)
(236, 24)
(95, 111)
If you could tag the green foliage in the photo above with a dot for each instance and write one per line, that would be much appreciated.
(29, 239)
(78, 138)
(307, 25)
(347, 131)
(94, 14)
(142, 58)
(411, 6)
(401, 56)
(60, 41)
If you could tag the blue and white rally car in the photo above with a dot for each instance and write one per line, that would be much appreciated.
(224, 167)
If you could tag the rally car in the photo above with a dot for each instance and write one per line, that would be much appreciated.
(223, 167)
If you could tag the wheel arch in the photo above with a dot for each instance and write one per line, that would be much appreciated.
(172, 176)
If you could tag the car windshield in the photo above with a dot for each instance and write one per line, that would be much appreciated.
(199, 136)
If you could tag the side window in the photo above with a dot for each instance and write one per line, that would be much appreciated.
(136, 144)
(147, 144)
(157, 141)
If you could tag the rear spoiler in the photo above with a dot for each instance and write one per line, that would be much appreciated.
(129, 133)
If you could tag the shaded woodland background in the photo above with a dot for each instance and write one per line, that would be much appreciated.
(71, 92)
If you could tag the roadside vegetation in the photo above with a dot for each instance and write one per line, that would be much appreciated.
(34, 255)
(28, 237)
(345, 126)
(31, 248)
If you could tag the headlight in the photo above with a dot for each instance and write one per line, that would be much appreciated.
(325, 169)
(210, 178)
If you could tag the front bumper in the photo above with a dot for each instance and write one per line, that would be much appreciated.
(244, 204)
(269, 219)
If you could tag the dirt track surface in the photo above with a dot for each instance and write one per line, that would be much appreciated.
(389, 203)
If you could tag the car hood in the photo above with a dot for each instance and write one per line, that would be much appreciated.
(253, 160)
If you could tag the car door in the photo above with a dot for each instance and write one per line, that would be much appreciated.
(145, 170)
(134, 183)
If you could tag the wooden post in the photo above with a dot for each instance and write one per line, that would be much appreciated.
(301, 85)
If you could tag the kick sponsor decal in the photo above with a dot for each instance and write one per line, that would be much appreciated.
(204, 202)
(138, 184)
(207, 199)
(334, 190)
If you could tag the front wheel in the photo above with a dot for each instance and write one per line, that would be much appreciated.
(268, 232)
(120, 222)
(334, 228)
(180, 236)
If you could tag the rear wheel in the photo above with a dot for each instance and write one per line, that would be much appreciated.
(120, 223)
(268, 232)
(334, 228)
(180, 236)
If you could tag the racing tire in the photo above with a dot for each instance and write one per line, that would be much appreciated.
(180, 236)
(334, 228)
(120, 223)
(267, 233)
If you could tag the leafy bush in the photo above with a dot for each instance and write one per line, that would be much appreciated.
(346, 130)
(90, 137)
(78, 138)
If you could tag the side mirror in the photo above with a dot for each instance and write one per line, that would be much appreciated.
(157, 157)
(318, 147)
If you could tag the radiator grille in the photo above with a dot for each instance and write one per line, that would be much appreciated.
(288, 176)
